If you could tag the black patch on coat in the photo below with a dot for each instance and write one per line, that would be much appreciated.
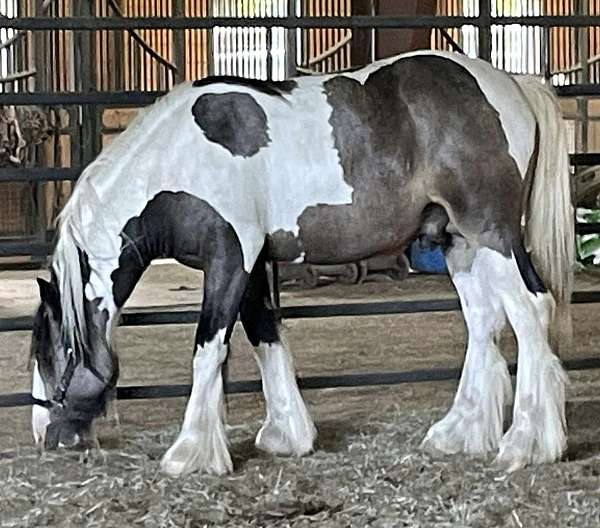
(419, 130)
(233, 120)
(284, 245)
(374, 136)
(275, 88)
(181, 226)
(256, 313)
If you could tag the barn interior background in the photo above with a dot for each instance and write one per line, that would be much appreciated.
(73, 74)
(65, 92)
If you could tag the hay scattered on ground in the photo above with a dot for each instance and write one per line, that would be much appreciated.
(373, 476)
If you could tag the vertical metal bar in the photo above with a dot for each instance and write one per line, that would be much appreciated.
(179, 41)
(269, 44)
(193, 59)
(582, 102)
(485, 30)
(39, 48)
(546, 51)
(119, 50)
(152, 41)
(373, 12)
(275, 286)
(290, 42)
(41, 62)
(211, 40)
(84, 59)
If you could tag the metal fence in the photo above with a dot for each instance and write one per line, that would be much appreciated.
(483, 21)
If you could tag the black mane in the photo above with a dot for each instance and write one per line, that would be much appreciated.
(275, 88)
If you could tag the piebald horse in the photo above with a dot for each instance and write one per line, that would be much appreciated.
(226, 173)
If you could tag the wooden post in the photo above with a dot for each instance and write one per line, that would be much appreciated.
(368, 45)
(210, 52)
(179, 41)
(389, 42)
(485, 30)
(84, 54)
(546, 52)
(361, 38)
(290, 45)
(41, 63)
(119, 58)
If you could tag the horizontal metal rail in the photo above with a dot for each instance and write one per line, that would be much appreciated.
(151, 392)
(104, 98)
(37, 174)
(587, 229)
(578, 90)
(160, 316)
(42, 174)
(141, 98)
(407, 22)
(24, 248)
(585, 159)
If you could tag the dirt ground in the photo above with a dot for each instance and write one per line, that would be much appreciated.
(367, 469)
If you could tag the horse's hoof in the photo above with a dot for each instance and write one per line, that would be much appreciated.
(526, 444)
(432, 445)
(191, 454)
(509, 463)
(275, 440)
(450, 436)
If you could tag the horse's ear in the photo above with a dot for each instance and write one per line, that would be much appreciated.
(49, 293)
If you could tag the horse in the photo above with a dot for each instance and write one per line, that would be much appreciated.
(225, 174)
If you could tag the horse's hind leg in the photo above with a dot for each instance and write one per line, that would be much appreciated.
(202, 444)
(537, 433)
(538, 430)
(288, 428)
(474, 423)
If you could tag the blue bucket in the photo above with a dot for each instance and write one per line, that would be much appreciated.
(427, 260)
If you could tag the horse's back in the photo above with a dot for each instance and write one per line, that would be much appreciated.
(352, 154)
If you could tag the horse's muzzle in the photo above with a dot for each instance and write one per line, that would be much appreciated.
(69, 434)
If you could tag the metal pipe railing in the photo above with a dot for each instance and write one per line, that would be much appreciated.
(86, 23)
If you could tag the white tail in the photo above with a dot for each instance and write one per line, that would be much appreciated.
(550, 224)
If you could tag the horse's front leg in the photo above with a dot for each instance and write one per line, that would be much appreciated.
(202, 443)
(288, 428)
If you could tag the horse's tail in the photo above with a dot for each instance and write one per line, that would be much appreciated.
(549, 215)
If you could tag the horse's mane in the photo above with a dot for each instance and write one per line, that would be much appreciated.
(67, 269)
(66, 260)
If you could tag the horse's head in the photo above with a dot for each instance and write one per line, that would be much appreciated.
(75, 371)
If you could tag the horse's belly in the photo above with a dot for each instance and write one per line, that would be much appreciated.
(331, 234)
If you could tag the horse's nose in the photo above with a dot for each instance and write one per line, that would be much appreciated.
(61, 434)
